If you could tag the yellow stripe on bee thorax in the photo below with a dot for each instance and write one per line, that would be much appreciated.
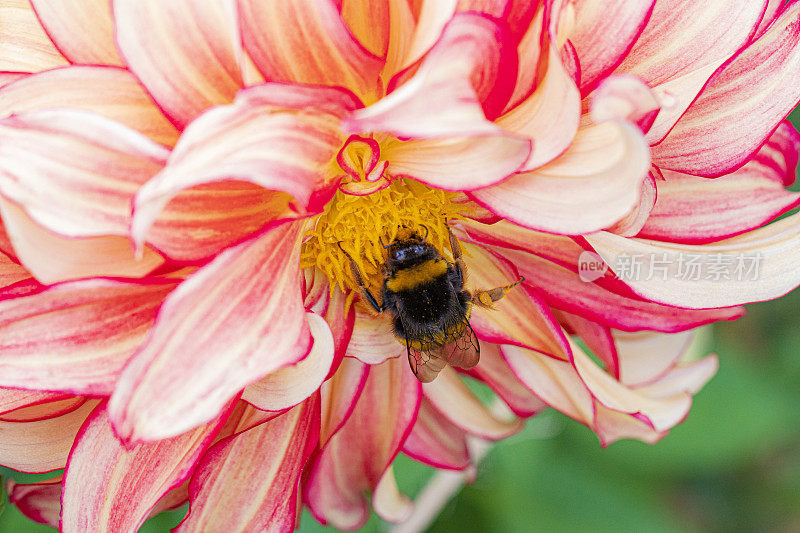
(411, 278)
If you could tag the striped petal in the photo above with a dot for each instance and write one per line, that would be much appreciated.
(741, 105)
(24, 45)
(112, 92)
(323, 53)
(102, 470)
(76, 336)
(81, 29)
(262, 465)
(756, 266)
(43, 445)
(339, 395)
(373, 341)
(456, 402)
(279, 139)
(519, 318)
(233, 321)
(356, 457)
(41, 501)
(436, 441)
(13, 399)
(184, 52)
(595, 183)
(603, 33)
(696, 210)
(292, 384)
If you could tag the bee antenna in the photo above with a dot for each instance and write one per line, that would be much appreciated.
(381, 241)
(425, 238)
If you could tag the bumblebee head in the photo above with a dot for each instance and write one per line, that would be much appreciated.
(409, 249)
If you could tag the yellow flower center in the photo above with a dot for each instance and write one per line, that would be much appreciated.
(361, 224)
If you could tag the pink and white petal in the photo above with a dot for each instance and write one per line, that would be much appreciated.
(464, 73)
(341, 318)
(112, 92)
(593, 185)
(388, 502)
(373, 340)
(13, 399)
(43, 411)
(266, 482)
(774, 9)
(752, 267)
(24, 45)
(10, 77)
(530, 53)
(232, 322)
(453, 399)
(604, 32)
(741, 105)
(184, 52)
(597, 337)
(634, 221)
(520, 318)
(402, 27)
(458, 164)
(283, 154)
(436, 441)
(76, 336)
(563, 289)
(432, 17)
(101, 470)
(552, 380)
(611, 426)
(685, 377)
(82, 30)
(40, 501)
(75, 172)
(339, 395)
(696, 210)
(290, 385)
(624, 97)
(324, 53)
(494, 372)
(52, 258)
(11, 272)
(550, 115)
(645, 356)
(356, 457)
(44, 445)
(369, 21)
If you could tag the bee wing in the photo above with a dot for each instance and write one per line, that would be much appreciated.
(463, 352)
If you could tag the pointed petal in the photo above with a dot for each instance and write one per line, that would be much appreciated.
(355, 458)
(233, 321)
(290, 385)
(101, 471)
(324, 53)
(387, 500)
(24, 45)
(249, 482)
(604, 32)
(562, 288)
(43, 445)
(81, 29)
(112, 92)
(753, 267)
(41, 501)
(519, 318)
(549, 116)
(591, 186)
(453, 399)
(76, 336)
(278, 138)
(740, 106)
(184, 52)
(436, 441)
(696, 210)
(466, 70)
(645, 356)
(339, 395)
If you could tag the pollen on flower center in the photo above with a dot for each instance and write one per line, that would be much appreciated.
(362, 224)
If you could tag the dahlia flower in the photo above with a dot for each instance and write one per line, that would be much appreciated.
(181, 184)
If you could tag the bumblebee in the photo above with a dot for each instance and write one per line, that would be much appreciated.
(424, 292)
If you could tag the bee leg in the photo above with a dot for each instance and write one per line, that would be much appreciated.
(488, 297)
(366, 295)
(455, 246)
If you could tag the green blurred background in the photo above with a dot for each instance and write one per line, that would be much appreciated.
(733, 465)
